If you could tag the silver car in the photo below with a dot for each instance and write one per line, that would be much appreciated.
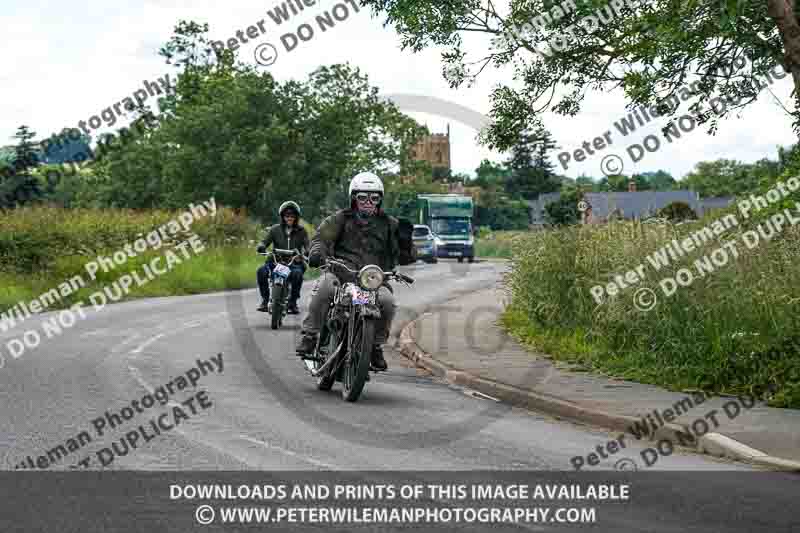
(425, 242)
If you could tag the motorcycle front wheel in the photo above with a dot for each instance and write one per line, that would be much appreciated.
(278, 298)
(329, 340)
(356, 369)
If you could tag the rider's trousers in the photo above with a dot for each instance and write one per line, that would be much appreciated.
(322, 294)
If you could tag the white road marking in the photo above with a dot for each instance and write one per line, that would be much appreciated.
(289, 452)
(186, 325)
(149, 388)
(479, 395)
(93, 332)
(148, 342)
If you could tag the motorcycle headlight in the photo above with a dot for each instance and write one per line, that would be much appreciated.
(370, 277)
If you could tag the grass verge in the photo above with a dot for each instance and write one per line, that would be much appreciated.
(733, 330)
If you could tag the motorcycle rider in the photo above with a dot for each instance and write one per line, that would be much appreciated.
(288, 235)
(358, 236)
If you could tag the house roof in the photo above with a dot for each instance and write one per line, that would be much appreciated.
(716, 202)
(639, 204)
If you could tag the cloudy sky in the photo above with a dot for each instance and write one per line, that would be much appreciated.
(67, 61)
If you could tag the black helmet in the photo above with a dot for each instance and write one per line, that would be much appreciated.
(289, 205)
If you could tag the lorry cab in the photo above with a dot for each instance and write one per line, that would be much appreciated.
(449, 216)
(456, 238)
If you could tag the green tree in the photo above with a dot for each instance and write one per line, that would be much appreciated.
(61, 148)
(490, 175)
(660, 180)
(722, 177)
(460, 177)
(19, 185)
(530, 170)
(564, 211)
(25, 151)
(441, 174)
(788, 157)
(621, 183)
(677, 211)
(252, 142)
(652, 51)
(586, 183)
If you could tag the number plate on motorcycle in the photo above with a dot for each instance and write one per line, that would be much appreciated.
(282, 270)
(360, 297)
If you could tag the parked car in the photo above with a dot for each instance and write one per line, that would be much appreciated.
(425, 241)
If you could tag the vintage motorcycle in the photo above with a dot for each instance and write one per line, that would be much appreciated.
(280, 288)
(344, 345)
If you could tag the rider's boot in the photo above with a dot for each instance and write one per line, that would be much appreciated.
(292, 309)
(306, 345)
(264, 307)
(377, 361)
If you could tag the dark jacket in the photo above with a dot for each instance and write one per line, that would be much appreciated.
(276, 236)
(380, 240)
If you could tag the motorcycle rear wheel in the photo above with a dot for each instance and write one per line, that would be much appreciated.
(356, 370)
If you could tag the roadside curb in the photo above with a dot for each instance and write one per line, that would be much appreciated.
(714, 444)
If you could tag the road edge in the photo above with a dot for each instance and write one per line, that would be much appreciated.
(714, 444)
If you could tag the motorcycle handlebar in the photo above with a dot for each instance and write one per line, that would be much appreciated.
(403, 277)
(279, 251)
(390, 275)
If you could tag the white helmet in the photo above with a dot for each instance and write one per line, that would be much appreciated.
(366, 182)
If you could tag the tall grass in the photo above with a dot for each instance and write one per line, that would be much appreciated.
(33, 238)
(735, 330)
(497, 243)
(42, 247)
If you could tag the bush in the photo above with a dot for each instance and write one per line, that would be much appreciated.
(677, 212)
(564, 211)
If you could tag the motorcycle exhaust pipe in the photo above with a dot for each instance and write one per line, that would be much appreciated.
(316, 373)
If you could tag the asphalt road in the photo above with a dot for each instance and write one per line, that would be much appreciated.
(266, 413)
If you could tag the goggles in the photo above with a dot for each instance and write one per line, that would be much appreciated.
(373, 197)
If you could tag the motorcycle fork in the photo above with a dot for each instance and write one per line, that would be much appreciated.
(351, 330)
